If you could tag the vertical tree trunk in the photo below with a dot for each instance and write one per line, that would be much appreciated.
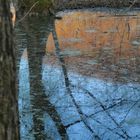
(8, 96)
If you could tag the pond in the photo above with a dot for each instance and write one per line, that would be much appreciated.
(79, 76)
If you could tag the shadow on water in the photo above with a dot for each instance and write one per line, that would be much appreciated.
(79, 76)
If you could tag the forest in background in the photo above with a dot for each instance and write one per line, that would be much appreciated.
(42, 6)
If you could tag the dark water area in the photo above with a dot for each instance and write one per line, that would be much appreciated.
(79, 77)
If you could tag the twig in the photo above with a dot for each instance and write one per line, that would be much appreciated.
(28, 11)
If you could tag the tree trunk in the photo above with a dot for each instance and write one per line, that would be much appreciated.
(8, 96)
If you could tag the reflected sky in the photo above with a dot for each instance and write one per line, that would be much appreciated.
(26, 121)
(83, 84)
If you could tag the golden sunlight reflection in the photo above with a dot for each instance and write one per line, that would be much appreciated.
(91, 31)
(98, 39)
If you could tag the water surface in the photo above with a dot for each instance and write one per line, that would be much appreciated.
(79, 77)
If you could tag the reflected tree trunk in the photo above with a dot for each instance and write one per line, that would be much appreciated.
(8, 96)
(67, 83)
(36, 88)
(39, 101)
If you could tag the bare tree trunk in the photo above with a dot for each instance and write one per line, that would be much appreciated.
(8, 96)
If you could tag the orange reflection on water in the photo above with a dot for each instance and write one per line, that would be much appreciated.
(98, 36)
(89, 31)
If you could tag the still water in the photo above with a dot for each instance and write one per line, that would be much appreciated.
(79, 76)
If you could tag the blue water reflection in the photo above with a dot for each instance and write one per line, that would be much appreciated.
(26, 118)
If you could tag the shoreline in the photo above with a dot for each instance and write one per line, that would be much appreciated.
(96, 3)
(103, 9)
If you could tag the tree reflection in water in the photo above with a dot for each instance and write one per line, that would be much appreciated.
(39, 103)
(65, 103)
